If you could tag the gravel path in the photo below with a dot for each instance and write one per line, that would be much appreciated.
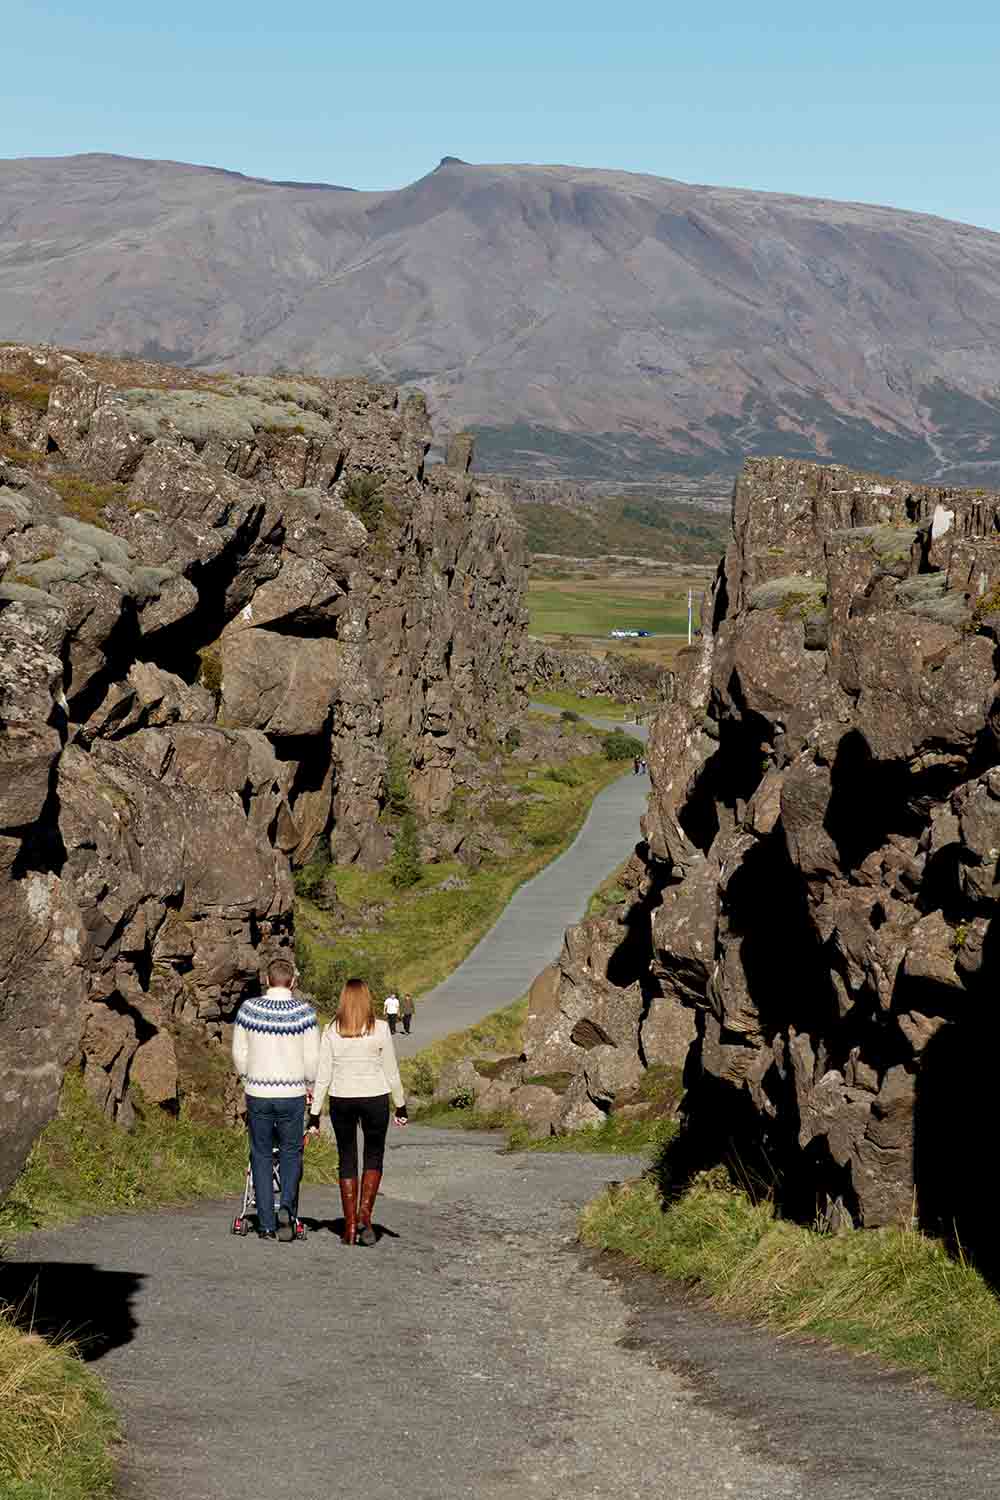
(474, 1353)
(529, 933)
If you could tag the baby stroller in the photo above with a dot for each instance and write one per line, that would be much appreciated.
(242, 1223)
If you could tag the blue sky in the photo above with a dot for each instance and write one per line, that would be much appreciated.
(884, 102)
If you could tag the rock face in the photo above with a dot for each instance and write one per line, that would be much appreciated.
(819, 878)
(220, 605)
(610, 676)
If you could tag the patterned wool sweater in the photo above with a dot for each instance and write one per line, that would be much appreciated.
(276, 1045)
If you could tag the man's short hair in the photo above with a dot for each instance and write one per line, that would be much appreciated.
(280, 973)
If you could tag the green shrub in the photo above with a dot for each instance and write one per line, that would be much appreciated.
(565, 775)
(464, 1099)
(397, 784)
(362, 495)
(570, 716)
(513, 739)
(404, 867)
(311, 876)
(621, 746)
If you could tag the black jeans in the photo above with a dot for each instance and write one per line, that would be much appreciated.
(373, 1117)
(267, 1119)
(407, 1021)
(392, 1017)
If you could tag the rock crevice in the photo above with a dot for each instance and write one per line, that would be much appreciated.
(220, 599)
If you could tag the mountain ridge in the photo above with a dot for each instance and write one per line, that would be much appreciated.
(588, 322)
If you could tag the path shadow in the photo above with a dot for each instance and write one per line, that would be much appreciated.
(336, 1226)
(63, 1299)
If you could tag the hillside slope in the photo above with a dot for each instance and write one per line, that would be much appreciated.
(585, 321)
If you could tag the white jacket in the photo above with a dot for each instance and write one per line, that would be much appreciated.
(357, 1067)
(276, 1045)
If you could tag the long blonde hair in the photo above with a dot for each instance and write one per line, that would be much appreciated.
(356, 1010)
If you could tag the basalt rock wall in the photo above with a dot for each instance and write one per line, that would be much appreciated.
(222, 602)
(609, 676)
(817, 886)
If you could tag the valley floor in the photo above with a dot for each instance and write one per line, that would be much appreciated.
(475, 1352)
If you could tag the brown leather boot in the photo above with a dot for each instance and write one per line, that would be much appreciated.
(369, 1192)
(349, 1203)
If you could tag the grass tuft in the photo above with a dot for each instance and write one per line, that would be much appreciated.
(84, 500)
(57, 1427)
(891, 1292)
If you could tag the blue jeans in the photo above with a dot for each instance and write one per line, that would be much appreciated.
(267, 1119)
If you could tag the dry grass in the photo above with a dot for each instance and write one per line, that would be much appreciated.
(83, 499)
(891, 1292)
(57, 1428)
(25, 391)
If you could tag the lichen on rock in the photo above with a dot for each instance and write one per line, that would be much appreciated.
(202, 687)
(816, 891)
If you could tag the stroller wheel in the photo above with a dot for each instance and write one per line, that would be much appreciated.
(238, 1226)
(300, 1230)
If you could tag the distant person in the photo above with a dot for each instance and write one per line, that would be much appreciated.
(636, 765)
(390, 1009)
(358, 1068)
(276, 1052)
(406, 1011)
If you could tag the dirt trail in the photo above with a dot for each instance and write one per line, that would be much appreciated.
(475, 1352)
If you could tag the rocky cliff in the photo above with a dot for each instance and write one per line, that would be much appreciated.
(815, 896)
(609, 676)
(222, 602)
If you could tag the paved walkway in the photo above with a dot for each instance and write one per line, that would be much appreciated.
(474, 1354)
(529, 933)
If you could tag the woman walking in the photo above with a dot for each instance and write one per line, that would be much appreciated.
(357, 1066)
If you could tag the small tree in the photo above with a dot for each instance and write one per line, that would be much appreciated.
(397, 784)
(621, 746)
(404, 867)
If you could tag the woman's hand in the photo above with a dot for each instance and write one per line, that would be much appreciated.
(401, 1117)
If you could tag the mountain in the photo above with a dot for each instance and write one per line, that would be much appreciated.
(587, 323)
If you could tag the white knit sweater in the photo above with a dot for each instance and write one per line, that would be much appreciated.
(276, 1045)
(357, 1067)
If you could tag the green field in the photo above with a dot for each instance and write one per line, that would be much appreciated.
(575, 609)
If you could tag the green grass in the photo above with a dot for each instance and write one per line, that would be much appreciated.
(598, 708)
(499, 1032)
(83, 1164)
(578, 610)
(615, 1137)
(57, 1427)
(890, 1292)
(611, 892)
(426, 931)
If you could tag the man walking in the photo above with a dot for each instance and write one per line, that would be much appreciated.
(390, 1009)
(406, 1011)
(276, 1052)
